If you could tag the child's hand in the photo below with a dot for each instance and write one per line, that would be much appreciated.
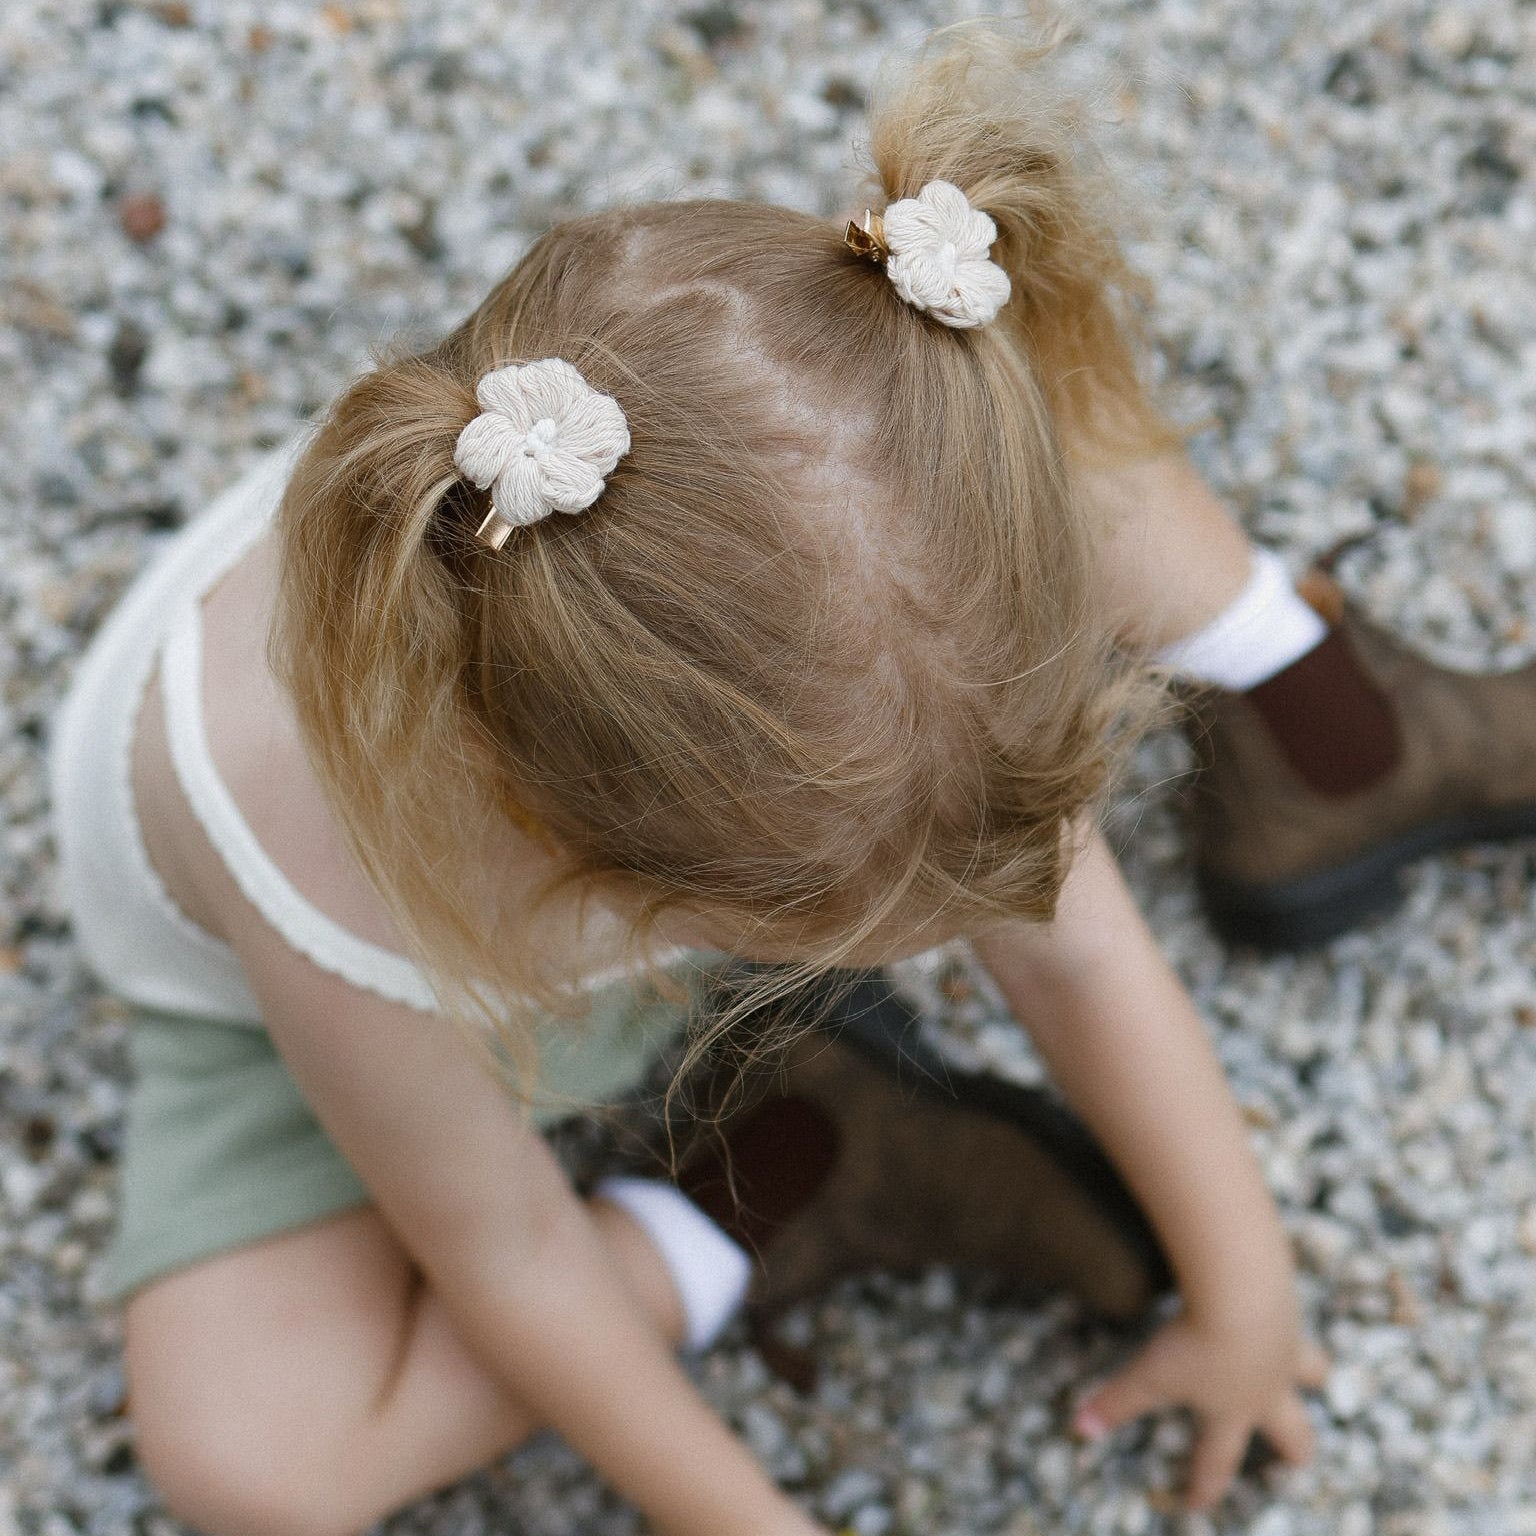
(1236, 1378)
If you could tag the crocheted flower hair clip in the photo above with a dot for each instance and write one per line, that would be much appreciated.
(936, 250)
(544, 441)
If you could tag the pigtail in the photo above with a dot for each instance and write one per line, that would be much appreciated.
(372, 642)
(976, 106)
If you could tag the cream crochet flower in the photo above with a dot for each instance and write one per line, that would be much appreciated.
(545, 441)
(938, 258)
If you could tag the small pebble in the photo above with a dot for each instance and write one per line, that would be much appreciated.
(142, 216)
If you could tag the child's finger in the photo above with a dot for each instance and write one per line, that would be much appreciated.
(1120, 1399)
(1214, 1462)
(1313, 1368)
(1289, 1431)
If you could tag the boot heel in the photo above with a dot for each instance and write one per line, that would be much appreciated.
(1301, 914)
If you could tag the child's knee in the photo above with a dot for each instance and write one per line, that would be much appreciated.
(226, 1478)
(242, 1404)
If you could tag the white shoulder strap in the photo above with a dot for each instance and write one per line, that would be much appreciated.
(303, 925)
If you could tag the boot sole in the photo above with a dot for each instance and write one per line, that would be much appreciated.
(1318, 908)
(869, 1016)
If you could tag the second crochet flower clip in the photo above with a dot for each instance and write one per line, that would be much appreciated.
(937, 252)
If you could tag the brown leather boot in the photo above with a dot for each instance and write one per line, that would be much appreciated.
(861, 1149)
(1320, 784)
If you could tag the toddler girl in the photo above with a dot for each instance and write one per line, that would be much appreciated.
(821, 663)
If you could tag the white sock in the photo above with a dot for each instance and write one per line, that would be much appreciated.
(1266, 627)
(710, 1271)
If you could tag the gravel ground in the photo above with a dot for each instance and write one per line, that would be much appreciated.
(213, 210)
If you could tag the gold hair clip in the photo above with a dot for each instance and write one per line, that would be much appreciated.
(867, 240)
(493, 531)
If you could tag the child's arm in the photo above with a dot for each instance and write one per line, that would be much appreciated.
(1123, 1039)
(477, 1197)
(1170, 555)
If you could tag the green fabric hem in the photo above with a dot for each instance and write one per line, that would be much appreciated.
(196, 1235)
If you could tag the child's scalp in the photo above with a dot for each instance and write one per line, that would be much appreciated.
(825, 654)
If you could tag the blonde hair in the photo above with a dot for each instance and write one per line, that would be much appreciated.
(825, 655)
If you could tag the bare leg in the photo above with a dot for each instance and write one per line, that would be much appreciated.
(311, 1383)
(1171, 556)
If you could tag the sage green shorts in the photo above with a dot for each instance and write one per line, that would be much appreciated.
(221, 1148)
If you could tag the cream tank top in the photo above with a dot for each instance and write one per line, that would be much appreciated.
(133, 935)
